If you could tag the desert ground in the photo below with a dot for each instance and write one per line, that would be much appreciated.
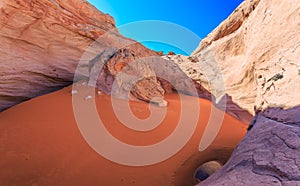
(41, 144)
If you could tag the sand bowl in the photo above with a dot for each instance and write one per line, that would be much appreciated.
(41, 144)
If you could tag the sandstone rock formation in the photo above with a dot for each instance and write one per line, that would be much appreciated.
(44, 42)
(206, 74)
(120, 58)
(257, 50)
(269, 155)
(126, 69)
(41, 44)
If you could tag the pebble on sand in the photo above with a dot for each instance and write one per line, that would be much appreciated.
(88, 97)
(206, 170)
(159, 102)
(74, 92)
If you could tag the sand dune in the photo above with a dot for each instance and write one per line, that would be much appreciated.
(40, 144)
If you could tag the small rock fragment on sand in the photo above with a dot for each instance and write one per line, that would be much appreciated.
(163, 103)
(159, 102)
(88, 97)
(74, 92)
(206, 170)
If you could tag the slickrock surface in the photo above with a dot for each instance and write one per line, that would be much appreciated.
(117, 63)
(125, 68)
(269, 155)
(257, 49)
(41, 44)
(44, 41)
(204, 74)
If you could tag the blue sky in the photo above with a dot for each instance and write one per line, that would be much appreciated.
(192, 17)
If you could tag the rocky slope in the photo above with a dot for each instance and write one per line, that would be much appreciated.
(257, 51)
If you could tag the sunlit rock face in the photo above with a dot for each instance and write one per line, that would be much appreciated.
(257, 50)
(45, 42)
(41, 44)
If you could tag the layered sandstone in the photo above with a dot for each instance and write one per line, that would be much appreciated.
(45, 42)
(268, 155)
(257, 51)
(41, 44)
(251, 59)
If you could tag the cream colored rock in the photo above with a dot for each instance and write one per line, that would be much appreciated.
(257, 51)
(207, 77)
(41, 44)
(259, 61)
(159, 102)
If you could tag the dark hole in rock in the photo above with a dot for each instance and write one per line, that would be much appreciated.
(277, 77)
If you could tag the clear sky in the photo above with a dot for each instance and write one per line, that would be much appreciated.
(197, 16)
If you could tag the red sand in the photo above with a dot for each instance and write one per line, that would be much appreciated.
(40, 144)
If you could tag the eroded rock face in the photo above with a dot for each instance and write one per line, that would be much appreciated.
(41, 44)
(44, 42)
(121, 57)
(125, 69)
(259, 61)
(205, 75)
(269, 154)
(257, 50)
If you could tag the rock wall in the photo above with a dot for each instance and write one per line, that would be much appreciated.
(257, 50)
(268, 155)
(41, 44)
